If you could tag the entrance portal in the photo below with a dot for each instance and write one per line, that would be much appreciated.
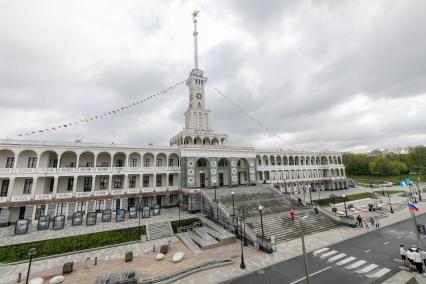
(202, 180)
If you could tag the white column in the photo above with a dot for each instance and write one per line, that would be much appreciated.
(10, 189)
(74, 186)
(55, 185)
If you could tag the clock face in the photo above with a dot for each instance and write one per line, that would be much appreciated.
(199, 96)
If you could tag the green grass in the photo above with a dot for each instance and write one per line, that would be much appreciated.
(326, 201)
(19, 252)
(366, 180)
(183, 223)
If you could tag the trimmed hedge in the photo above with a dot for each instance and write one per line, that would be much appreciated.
(339, 199)
(19, 252)
(183, 222)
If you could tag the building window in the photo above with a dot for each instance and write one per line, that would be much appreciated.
(118, 182)
(53, 163)
(132, 181)
(158, 180)
(70, 184)
(170, 162)
(27, 185)
(89, 164)
(61, 209)
(171, 198)
(116, 204)
(145, 181)
(73, 164)
(32, 162)
(119, 163)
(159, 162)
(10, 162)
(40, 209)
(4, 187)
(99, 206)
(105, 164)
(170, 180)
(51, 184)
(81, 207)
(103, 183)
(133, 162)
(87, 184)
(147, 163)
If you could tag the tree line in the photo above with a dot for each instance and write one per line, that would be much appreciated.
(387, 162)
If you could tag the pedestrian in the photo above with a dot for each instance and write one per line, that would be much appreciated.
(409, 254)
(299, 200)
(418, 261)
(359, 220)
(377, 222)
(292, 213)
(423, 254)
(372, 221)
(366, 225)
(402, 252)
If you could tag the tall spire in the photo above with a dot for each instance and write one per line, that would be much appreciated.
(194, 18)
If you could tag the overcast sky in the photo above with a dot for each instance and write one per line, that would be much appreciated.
(337, 75)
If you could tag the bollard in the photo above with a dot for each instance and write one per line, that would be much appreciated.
(153, 248)
(19, 277)
(96, 260)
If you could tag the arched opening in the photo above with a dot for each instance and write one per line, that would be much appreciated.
(188, 140)
(48, 159)
(173, 160)
(68, 160)
(197, 141)
(202, 173)
(86, 160)
(148, 160)
(135, 160)
(161, 160)
(285, 161)
(265, 161)
(215, 141)
(324, 160)
(206, 141)
(223, 172)
(7, 159)
(243, 171)
(272, 160)
(296, 161)
(27, 159)
(259, 160)
(103, 160)
(279, 162)
(291, 161)
(302, 160)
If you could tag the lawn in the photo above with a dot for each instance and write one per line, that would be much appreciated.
(326, 201)
(19, 252)
(366, 180)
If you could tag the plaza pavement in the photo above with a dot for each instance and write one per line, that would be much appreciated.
(7, 236)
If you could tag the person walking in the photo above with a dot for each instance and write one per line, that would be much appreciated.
(292, 213)
(423, 254)
(402, 252)
(418, 261)
(359, 220)
(409, 254)
(377, 222)
(372, 221)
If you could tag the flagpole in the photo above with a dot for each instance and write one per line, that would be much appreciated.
(413, 217)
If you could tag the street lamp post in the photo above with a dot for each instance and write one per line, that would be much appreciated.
(390, 204)
(344, 202)
(233, 203)
(242, 264)
(310, 193)
(304, 249)
(178, 203)
(139, 215)
(217, 205)
(261, 220)
(31, 252)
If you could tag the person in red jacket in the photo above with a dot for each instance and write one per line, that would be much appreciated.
(292, 213)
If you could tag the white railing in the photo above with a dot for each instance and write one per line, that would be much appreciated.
(43, 196)
(6, 170)
(83, 194)
(132, 169)
(147, 189)
(160, 188)
(174, 168)
(133, 190)
(101, 192)
(85, 169)
(161, 169)
(118, 169)
(66, 170)
(103, 169)
(63, 195)
(25, 170)
(117, 191)
(147, 169)
(173, 188)
(26, 197)
(3, 199)
(46, 170)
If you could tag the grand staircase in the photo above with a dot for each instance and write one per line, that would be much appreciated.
(159, 230)
(284, 229)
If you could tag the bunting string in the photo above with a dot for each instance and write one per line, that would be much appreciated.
(103, 115)
(254, 119)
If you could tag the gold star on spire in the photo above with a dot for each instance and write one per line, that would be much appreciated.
(195, 14)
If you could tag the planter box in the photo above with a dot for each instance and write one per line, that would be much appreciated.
(128, 257)
(68, 267)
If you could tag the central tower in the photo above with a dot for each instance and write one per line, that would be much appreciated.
(197, 129)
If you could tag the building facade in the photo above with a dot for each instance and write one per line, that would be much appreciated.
(60, 178)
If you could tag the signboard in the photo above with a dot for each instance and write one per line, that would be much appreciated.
(59, 222)
(421, 229)
(119, 215)
(132, 213)
(156, 210)
(146, 213)
(43, 222)
(106, 215)
(77, 219)
(91, 218)
(21, 227)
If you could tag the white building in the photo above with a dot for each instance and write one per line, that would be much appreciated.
(61, 178)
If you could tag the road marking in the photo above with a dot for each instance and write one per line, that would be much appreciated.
(319, 271)
(349, 259)
(336, 257)
(328, 254)
(379, 273)
(368, 268)
(356, 264)
(320, 251)
(368, 250)
(385, 243)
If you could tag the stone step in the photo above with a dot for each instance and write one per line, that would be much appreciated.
(159, 230)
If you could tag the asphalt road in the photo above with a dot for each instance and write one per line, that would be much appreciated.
(377, 247)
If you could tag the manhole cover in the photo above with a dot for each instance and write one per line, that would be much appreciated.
(261, 272)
